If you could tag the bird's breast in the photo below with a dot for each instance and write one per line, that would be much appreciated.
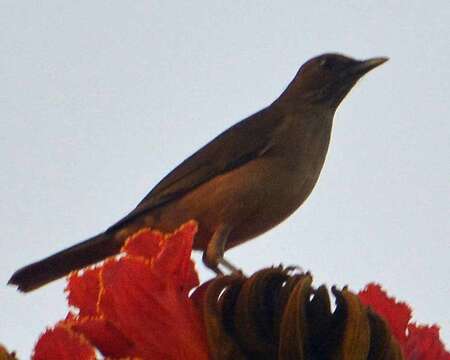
(292, 169)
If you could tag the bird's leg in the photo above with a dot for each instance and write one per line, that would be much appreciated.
(213, 255)
(226, 264)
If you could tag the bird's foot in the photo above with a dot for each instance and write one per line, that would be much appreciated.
(214, 263)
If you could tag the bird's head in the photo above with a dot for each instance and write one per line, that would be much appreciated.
(327, 79)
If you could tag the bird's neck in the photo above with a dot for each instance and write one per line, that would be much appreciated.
(293, 101)
(303, 108)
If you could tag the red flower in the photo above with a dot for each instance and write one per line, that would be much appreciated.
(418, 342)
(135, 306)
(139, 305)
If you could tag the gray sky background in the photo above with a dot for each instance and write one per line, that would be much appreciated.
(99, 100)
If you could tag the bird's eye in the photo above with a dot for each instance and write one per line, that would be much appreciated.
(327, 63)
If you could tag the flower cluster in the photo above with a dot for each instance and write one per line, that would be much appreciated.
(141, 305)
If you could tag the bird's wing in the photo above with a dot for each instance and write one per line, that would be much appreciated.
(241, 143)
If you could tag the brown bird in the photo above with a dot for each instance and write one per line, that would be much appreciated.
(244, 182)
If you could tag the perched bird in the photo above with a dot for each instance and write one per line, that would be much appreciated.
(244, 182)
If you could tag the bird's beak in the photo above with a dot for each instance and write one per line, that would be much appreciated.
(363, 67)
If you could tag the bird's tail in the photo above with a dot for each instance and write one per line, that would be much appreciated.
(56, 266)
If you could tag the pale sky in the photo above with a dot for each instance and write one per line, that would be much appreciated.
(99, 100)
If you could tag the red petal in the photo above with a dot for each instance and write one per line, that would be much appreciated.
(175, 257)
(104, 335)
(423, 343)
(151, 310)
(397, 314)
(145, 242)
(83, 289)
(62, 344)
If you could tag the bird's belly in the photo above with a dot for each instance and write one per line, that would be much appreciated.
(252, 199)
(279, 202)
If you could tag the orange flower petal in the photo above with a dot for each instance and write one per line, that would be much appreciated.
(159, 319)
(104, 335)
(83, 290)
(61, 343)
(175, 257)
(423, 343)
(145, 242)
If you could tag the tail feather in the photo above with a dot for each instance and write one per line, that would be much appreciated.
(60, 264)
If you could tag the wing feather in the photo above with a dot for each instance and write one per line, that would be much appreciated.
(236, 146)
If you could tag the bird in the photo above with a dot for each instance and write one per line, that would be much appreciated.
(244, 182)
